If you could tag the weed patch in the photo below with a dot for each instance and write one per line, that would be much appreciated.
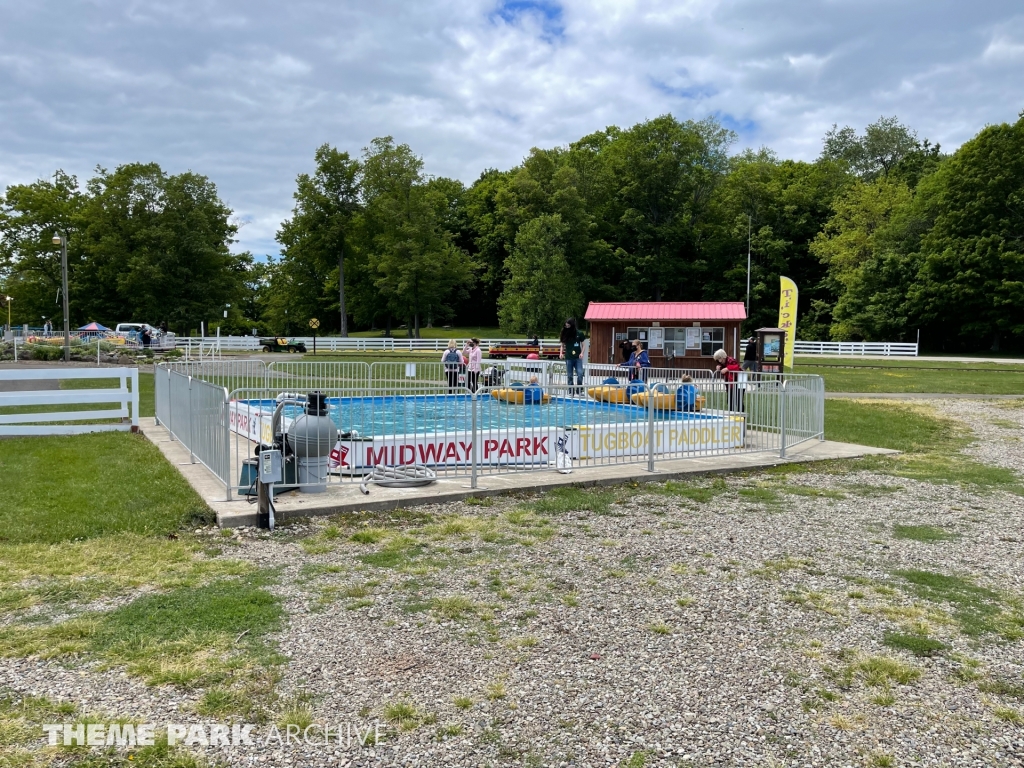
(976, 609)
(925, 533)
(919, 645)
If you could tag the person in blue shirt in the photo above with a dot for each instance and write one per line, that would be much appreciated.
(686, 395)
(534, 393)
(638, 361)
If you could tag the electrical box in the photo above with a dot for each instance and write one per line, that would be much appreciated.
(771, 349)
(271, 470)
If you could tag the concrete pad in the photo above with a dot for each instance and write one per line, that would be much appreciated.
(345, 496)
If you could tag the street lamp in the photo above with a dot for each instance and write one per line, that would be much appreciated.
(62, 241)
(9, 299)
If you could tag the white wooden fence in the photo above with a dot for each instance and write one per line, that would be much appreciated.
(886, 348)
(125, 397)
(205, 346)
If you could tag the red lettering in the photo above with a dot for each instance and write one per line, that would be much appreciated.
(467, 450)
(451, 453)
(373, 459)
(412, 454)
(490, 445)
(522, 443)
(540, 445)
(506, 448)
(430, 453)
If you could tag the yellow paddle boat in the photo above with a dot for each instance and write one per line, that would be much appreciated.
(663, 401)
(609, 393)
(517, 396)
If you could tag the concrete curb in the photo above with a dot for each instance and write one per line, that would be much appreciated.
(347, 498)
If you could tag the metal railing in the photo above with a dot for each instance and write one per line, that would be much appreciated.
(197, 416)
(387, 413)
(886, 348)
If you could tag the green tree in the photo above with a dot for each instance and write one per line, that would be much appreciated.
(156, 248)
(316, 241)
(542, 289)
(30, 267)
(970, 288)
(885, 143)
(666, 176)
(867, 247)
(415, 264)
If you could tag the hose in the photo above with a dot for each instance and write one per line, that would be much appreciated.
(408, 476)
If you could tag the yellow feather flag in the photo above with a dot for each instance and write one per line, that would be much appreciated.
(787, 316)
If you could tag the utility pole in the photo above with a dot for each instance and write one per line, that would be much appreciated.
(62, 241)
(341, 291)
(748, 266)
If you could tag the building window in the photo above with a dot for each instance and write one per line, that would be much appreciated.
(675, 342)
(711, 339)
(637, 333)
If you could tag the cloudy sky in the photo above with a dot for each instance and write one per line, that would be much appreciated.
(245, 90)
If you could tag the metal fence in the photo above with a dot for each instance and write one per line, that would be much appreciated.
(392, 414)
(196, 414)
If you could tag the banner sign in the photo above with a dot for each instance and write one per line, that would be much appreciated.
(788, 297)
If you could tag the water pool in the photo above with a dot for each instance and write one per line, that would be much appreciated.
(425, 414)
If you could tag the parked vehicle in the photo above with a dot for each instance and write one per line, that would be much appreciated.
(133, 332)
(281, 344)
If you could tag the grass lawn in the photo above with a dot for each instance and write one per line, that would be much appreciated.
(99, 566)
(67, 488)
(997, 380)
(930, 443)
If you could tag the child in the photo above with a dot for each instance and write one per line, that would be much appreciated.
(686, 395)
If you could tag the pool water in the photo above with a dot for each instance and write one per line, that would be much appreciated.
(421, 414)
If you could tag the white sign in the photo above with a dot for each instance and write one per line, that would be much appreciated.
(693, 338)
(657, 338)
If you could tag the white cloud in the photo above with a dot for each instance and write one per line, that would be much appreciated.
(245, 91)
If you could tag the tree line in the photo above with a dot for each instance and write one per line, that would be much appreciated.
(886, 236)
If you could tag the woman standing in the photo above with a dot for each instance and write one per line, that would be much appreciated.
(473, 355)
(638, 361)
(452, 360)
(728, 368)
(571, 350)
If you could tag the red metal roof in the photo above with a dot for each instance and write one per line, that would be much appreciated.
(666, 310)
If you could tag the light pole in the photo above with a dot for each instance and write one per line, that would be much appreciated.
(748, 265)
(62, 241)
(9, 299)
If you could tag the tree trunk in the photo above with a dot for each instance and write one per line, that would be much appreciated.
(995, 340)
(416, 321)
(387, 331)
(657, 293)
(341, 292)
(408, 328)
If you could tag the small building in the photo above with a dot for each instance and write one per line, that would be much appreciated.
(676, 334)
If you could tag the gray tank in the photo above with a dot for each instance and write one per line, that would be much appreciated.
(310, 438)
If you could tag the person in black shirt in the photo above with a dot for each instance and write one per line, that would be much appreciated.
(750, 355)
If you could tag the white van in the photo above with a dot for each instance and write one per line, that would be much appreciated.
(133, 331)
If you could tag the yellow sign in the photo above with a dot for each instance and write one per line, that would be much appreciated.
(314, 323)
(787, 316)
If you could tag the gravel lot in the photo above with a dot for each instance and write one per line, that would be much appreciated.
(739, 622)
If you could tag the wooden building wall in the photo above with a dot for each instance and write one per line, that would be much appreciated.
(604, 349)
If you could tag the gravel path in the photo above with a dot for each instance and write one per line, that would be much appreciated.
(740, 623)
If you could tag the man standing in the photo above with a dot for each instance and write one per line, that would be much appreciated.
(750, 355)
